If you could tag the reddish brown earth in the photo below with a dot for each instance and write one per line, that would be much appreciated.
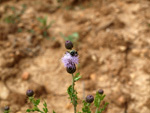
(114, 50)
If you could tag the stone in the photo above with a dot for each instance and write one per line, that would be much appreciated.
(4, 92)
(25, 76)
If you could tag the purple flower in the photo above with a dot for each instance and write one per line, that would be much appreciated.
(69, 60)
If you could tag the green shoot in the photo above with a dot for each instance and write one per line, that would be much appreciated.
(86, 107)
(45, 26)
(97, 102)
(73, 37)
(15, 17)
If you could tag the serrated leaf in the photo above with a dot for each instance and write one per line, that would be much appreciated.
(45, 105)
(35, 109)
(102, 97)
(69, 91)
(37, 102)
(86, 107)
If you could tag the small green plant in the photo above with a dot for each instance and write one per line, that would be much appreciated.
(45, 26)
(35, 103)
(72, 37)
(98, 99)
(15, 16)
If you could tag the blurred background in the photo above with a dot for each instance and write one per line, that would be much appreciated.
(112, 38)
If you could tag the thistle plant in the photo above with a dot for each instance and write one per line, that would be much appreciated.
(98, 99)
(35, 103)
(86, 104)
(70, 60)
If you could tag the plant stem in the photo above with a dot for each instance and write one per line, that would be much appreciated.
(98, 107)
(96, 110)
(73, 93)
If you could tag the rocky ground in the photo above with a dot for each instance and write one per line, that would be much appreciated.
(113, 45)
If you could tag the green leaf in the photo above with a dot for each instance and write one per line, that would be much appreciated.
(45, 105)
(77, 74)
(54, 111)
(77, 78)
(72, 95)
(86, 107)
(45, 109)
(40, 20)
(75, 35)
(51, 23)
(37, 102)
(69, 91)
(35, 108)
(45, 21)
(28, 110)
(102, 109)
(7, 111)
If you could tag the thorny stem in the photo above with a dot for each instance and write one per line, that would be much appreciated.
(73, 93)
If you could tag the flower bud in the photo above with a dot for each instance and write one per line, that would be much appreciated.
(89, 99)
(6, 108)
(73, 53)
(68, 44)
(29, 93)
(100, 91)
(71, 69)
